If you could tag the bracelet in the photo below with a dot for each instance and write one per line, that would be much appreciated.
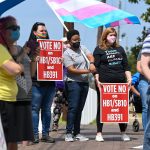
(92, 63)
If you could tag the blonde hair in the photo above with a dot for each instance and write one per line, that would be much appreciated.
(103, 44)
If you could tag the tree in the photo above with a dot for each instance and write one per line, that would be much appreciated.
(132, 56)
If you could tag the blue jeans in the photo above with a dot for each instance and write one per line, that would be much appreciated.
(42, 98)
(143, 87)
(146, 144)
(76, 97)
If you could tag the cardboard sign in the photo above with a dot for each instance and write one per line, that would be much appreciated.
(114, 102)
(49, 66)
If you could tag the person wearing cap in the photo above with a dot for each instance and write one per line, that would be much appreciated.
(77, 85)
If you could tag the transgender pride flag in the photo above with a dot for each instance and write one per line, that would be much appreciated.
(91, 13)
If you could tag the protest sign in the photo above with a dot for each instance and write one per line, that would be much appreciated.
(114, 102)
(49, 66)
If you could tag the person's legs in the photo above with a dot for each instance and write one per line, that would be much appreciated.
(57, 109)
(146, 144)
(36, 105)
(124, 136)
(84, 87)
(48, 95)
(99, 137)
(73, 97)
(12, 146)
(143, 87)
(123, 127)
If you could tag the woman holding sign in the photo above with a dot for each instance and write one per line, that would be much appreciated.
(112, 67)
(43, 92)
(77, 85)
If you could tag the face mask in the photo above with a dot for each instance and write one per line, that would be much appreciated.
(41, 36)
(15, 35)
(111, 39)
(76, 45)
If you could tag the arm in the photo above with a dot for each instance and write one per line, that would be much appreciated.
(72, 69)
(33, 68)
(24, 51)
(145, 62)
(128, 76)
(134, 90)
(91, 60)
(12, 68)
(138, 67)
(35, 58)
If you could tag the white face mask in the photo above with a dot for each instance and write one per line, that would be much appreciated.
(111, 39)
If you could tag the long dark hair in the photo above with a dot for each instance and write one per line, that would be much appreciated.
(34, 28)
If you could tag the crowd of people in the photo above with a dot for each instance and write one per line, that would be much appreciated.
(21, 105)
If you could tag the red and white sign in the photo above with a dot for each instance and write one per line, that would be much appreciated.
(49, 66)
(114, 102)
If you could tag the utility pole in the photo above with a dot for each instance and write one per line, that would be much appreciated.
(120, 5)
(69, 25)
(100, 29)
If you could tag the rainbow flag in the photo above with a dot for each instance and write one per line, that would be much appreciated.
(91, 13)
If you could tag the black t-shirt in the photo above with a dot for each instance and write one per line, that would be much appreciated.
(111, 64)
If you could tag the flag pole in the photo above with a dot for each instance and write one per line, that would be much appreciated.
(59, 18)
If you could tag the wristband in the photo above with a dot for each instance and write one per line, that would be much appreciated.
(92, 63)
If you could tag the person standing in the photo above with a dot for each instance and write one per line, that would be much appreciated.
(145, 66)
(76, 84)
(43, 92)
(24, 96)
(9, 33)
(112, 67)
(143, 87)
(60, 101)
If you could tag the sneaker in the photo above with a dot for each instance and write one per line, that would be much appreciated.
(99, 138)
(69, 138)
(36, 139)
(81, 137)
(125, 137)
(47, 139)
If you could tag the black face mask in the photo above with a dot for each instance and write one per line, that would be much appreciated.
(76, 45)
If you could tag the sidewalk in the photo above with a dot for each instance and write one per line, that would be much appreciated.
(111, 136)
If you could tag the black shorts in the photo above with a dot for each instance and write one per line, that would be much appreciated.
(7, 110)
(16, 121)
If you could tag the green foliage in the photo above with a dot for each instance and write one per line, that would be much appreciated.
(146, 16)
(132, 56)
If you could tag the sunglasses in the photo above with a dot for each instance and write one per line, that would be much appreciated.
(13, 27)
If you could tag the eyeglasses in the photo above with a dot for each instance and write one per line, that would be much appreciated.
(13, 27)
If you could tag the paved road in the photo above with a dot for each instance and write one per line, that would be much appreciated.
(111, 136)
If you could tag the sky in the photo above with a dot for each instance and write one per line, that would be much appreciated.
(31, 11)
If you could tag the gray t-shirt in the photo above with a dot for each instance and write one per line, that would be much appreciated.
(76, 59)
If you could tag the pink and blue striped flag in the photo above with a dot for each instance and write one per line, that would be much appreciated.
(91, 13)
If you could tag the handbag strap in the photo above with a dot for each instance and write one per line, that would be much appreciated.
(88, 62)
